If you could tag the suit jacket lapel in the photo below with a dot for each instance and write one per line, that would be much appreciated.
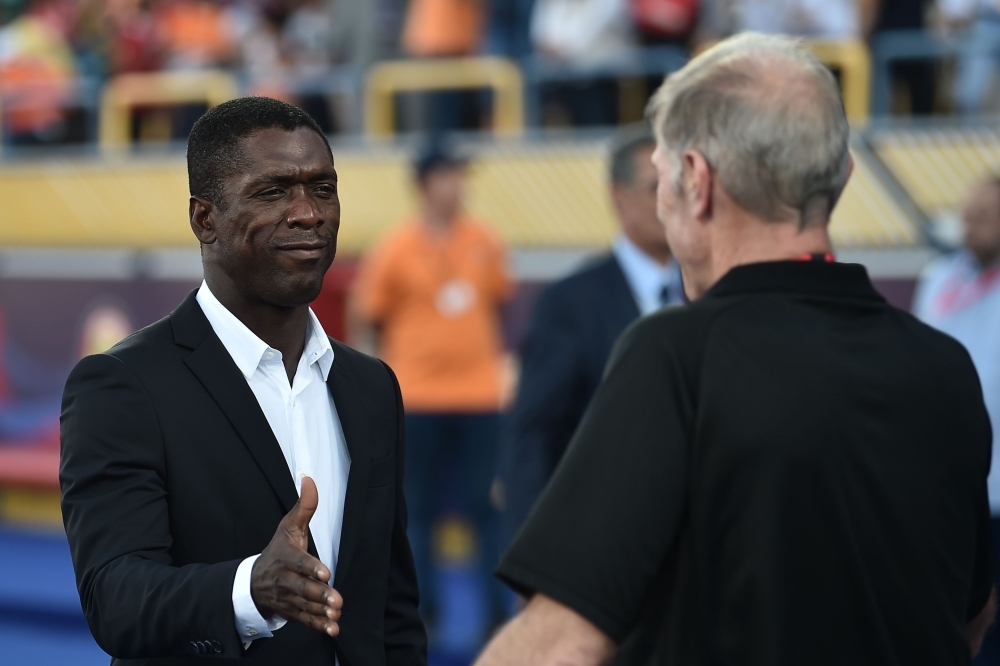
(353, 414)
(217, 372)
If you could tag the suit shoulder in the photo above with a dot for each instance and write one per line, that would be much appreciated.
(358, 364)
(593, 275)
(146, 343)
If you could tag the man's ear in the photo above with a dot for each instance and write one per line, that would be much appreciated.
(201, 213)
(698, 184)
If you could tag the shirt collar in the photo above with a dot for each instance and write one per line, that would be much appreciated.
(247, 349)
(645, 275)
(818, 278)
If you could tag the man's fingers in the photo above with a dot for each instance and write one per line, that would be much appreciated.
(303, 511)
(310, 567)
(327, 626)
(310, 590)
(322, 611)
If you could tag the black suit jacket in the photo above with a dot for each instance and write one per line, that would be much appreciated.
(171, 476)
(573, 327)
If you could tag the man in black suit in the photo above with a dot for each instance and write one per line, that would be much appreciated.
(184, 445)
(575, 324)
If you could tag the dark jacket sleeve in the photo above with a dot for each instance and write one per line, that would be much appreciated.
(405, 637)
(551, 398)
(114, 503)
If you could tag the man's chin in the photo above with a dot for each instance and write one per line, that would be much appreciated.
(297, 289)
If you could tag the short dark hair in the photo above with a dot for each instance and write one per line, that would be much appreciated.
(624, 145)
(213, 151)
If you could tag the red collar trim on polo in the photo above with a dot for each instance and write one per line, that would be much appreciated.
(828, 257)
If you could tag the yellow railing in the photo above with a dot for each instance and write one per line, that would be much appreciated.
(387, 79)
(123, 93)
(853, 62)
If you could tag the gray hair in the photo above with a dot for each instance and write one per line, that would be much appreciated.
(767, 116)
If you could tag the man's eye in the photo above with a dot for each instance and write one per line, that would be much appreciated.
(270, 193)
(326, 190)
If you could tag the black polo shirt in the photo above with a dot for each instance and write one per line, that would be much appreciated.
(788, 471)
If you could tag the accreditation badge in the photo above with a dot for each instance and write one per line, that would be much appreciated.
(455, 298)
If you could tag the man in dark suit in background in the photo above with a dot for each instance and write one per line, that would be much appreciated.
(574, 325)
(230, 469)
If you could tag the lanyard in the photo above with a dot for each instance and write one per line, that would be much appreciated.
(958, 293)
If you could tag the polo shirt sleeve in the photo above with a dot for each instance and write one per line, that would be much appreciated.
(611, 515)
(982, 573)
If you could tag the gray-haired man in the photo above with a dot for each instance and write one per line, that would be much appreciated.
(788, 471)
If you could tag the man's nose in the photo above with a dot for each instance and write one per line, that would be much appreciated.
(303, 211)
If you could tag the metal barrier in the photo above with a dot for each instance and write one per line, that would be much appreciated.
(895, 46)
(650, 61)
(125, 92)
(853, 62)
(387, 79)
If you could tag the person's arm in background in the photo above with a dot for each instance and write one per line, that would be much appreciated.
(370, 298)
(547, 633)
(549, 402)
(502, 289)
(981, 624)
(405, 637)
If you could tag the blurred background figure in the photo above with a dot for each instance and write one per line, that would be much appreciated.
(433, 289)
(960, 294)
(916, 77)
(576, 322)
(582, 33)
(36, 71)
(979, 23)
(441, 29)
(839, 19)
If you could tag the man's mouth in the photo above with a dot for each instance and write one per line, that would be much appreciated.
(304, 249)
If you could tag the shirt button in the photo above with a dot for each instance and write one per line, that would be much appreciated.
(269, 355)
(251, 631)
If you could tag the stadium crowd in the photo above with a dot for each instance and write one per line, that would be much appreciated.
(283, 48)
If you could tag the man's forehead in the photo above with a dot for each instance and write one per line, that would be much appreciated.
(275, 145)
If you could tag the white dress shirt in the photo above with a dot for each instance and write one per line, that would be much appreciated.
(305, 423)
(647, 277)
(958, 297)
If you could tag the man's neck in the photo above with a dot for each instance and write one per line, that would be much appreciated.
(763, 242)
(439, 222)
(283, 328)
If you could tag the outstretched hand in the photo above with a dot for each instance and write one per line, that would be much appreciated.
(289, 582)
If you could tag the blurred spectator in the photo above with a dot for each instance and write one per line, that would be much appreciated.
(198, 33)
(583, 34)
(981, 21)
(137, 44)
(960, 295)
(829, 19)
(308, 37)
(880, 16)
(445, 28)
(574, 325)
(509, 28)
(434, 288)
(436, 28)
(36, 71)
(664, 21)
